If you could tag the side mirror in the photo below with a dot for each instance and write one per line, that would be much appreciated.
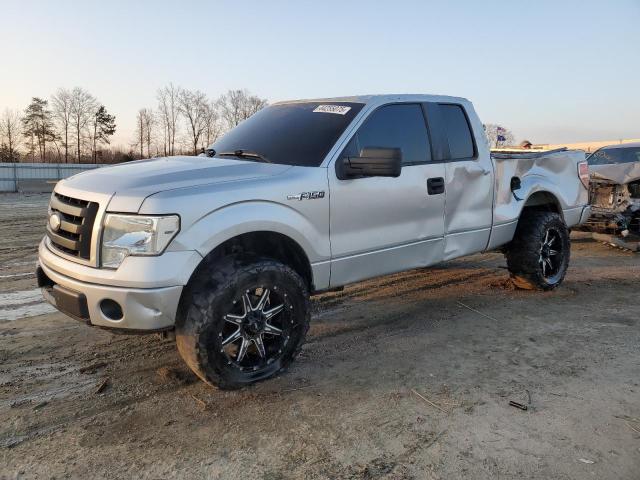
(372, 162)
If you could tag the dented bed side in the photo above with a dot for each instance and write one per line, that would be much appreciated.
(544, 177)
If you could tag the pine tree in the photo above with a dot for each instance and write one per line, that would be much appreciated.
(104, 125)
(38, 125)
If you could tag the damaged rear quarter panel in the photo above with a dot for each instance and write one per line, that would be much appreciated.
(555, 173)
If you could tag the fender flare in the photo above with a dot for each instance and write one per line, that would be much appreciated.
(233, 220)
(540, 191)
(239, 218)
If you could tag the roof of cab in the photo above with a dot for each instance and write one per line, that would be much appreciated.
(381, 99)
(622, 145)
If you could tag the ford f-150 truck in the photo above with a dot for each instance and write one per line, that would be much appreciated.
(302, 197)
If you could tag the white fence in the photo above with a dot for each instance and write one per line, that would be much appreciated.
(37, 177)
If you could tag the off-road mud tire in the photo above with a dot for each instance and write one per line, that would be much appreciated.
(523, 253)
(199, 319)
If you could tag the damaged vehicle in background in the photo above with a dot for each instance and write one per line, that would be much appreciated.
(614, 191)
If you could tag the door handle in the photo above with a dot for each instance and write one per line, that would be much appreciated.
(435, 186)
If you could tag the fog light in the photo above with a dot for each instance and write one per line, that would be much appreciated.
(111, 309)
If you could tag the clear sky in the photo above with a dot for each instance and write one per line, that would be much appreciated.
(551, 70)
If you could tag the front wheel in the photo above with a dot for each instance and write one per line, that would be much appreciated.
(242, 319)
(538, 256)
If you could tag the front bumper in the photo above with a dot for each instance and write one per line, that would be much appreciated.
(141, 309)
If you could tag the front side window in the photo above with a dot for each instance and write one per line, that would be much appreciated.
(458, 131)
(607, 156)
(394, 126)
(292, 134)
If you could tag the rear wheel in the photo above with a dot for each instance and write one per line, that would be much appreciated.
(242, 320)
(538, 256)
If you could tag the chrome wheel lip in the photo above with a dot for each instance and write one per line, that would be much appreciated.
(260, 326)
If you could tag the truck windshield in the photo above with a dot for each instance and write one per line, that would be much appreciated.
(608, 156)
(293, 134)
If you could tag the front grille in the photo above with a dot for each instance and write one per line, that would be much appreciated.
(73, 237)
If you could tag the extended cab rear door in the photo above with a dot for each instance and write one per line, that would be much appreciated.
(468, 177)
(381, 225)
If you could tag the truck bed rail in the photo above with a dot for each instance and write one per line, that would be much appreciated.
(525, 154)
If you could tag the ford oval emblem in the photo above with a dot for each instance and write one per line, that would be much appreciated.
(54, 221)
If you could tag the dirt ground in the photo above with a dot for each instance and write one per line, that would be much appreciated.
(405, 376)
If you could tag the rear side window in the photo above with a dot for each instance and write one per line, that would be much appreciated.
(394, 126)
(458, 131)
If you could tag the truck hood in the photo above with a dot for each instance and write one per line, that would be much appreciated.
(620, 173)
(130, 183)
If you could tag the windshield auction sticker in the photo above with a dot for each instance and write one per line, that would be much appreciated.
(339, 109)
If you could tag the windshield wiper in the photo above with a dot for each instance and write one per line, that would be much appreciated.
(240, 153)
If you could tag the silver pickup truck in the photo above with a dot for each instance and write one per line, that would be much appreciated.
(303, 197)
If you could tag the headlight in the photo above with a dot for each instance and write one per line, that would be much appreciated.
(125, 235)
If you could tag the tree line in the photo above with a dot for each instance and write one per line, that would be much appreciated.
(72, 126)
(187, 121)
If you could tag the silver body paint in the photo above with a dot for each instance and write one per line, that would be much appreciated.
(356, 229)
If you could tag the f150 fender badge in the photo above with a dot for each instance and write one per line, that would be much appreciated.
(306, 196)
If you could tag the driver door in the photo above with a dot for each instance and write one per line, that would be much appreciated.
(381, 225)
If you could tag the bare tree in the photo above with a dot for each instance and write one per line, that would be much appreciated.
(193, 106)
(498, 136)
(61, 102)
(165, 134)
(253, 104)
(163, 115)
(238, 105)
(10, 134)
(140, 131)
(83, 107)
(169, 112)
(56, 144)
(230, 105)
(212, 127)
(144, 125)
(149, 122)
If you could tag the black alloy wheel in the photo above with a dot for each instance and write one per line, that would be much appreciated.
(242, 319)
(257, 328)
